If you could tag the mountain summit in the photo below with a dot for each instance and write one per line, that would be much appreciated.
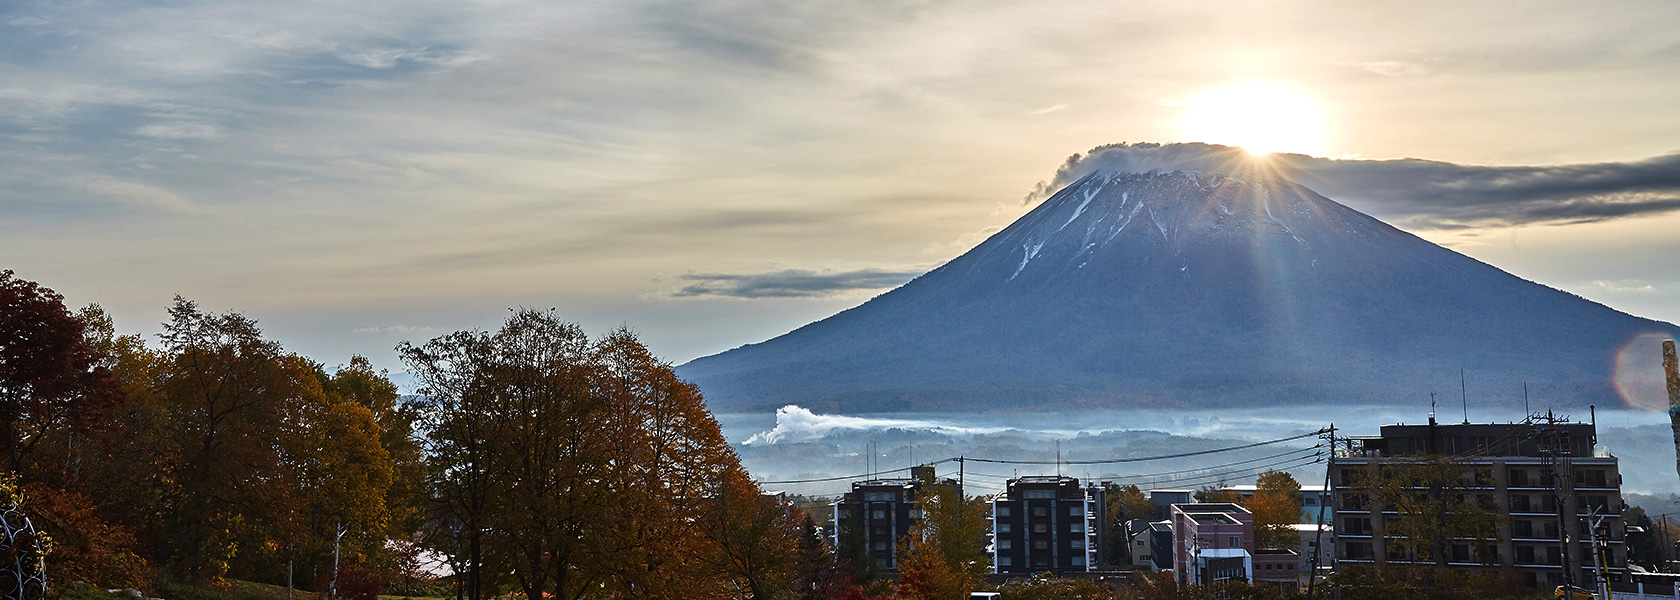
(1184, 289)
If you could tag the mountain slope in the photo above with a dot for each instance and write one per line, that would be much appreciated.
(1186, 289)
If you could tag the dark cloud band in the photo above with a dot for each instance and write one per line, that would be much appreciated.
(1422, 194)
(790, 283)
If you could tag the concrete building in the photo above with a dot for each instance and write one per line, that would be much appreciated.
(1542, 476)
(877, 513)
(1045, 524)
(1211, 539)
(1277, 566)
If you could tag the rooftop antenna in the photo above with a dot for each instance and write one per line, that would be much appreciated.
(1465, 391)
(1525, 401)
(1058, 458)
(1432, 407)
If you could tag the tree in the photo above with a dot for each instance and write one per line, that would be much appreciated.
(1218, 493)
(575, 468)
(1440, 509)
(252, 452)
(758, 538)
(944, 554)
(816, 571)
(49, 377)
(1125, 502)
(1277, 507)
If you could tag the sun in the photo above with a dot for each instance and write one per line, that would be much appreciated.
(1260, 117)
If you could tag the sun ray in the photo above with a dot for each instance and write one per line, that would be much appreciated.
(1259, 117)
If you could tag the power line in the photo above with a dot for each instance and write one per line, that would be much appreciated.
(1147, 458)
(1316, 450)
(1065, 462)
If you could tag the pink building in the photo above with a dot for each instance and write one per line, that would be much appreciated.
(1212, 541)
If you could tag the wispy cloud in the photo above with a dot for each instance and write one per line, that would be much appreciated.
(1424, 194)
(396, 329)
(142, 195)
(790, 283)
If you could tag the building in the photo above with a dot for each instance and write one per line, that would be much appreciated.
(1164, 499)
(1045, 524)
(1212, 539)
(1541, 477)
(877, 513)
(1313, 497)
(1277, 566)
(1315, 536)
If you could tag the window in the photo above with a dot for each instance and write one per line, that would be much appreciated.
(1039, 494)
(1076, 527)
(880, 546)
(879, 514)
(1235, 542)
(1078, 561)
(1005, 544)
(1003, 511)
(1077, 544)
(1039, 511)
(1077, 511)
(1041, 528)
(877, 497)
(1041, 545)
(1003, 528)
(1004, 561)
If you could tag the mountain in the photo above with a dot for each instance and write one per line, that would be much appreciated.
(1187, 289)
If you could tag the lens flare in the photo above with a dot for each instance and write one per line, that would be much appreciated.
(1639, 373)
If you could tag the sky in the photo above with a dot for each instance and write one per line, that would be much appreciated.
(712, 174)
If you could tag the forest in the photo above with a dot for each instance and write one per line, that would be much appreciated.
(534, 460)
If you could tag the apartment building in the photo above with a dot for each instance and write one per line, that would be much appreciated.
(1541, 478)
(1212, 541)
(879, 512)
(1046, 524)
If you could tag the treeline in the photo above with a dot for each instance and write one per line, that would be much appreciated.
(536, 460)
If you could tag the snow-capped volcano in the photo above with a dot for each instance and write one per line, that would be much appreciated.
(1188, 289)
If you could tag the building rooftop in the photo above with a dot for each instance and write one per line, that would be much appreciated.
(1212, 518)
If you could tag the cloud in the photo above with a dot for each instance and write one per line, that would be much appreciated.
(143, 195)
(397, 329)
(1421, 194)
(1625, 285)
(791, 283)
(794, 423)
(1050, 109)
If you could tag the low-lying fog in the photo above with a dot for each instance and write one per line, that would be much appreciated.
(797, 444)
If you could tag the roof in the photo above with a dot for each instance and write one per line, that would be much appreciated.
(1222, 553)
(1212, 519)
(1312, 527)
(1276, 551)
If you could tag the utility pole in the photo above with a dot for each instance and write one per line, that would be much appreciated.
(1555, 447)
(1594, 521)
(1671, 372)
(1323, 501)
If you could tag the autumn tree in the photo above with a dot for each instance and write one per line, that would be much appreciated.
(576, 468)
(1125, 502)
(1218, 493)
(50, 379)
(251, 452)
(944, 554)
(1441, 508)
(1277, 507)
(757, 537)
